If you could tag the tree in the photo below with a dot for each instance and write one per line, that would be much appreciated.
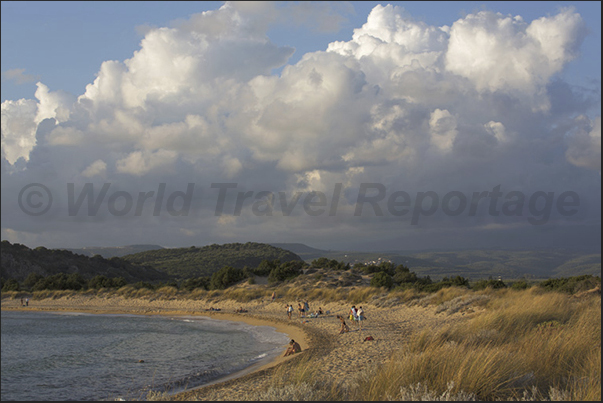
(321, 262)
(75, 281)
(382, 279)
(403, 276)
(265, 267)
(225, 277)
(285, 271)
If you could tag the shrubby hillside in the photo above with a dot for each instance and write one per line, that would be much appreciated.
(185, 263)
(18, 261)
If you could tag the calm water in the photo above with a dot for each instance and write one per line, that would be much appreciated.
(69, 356)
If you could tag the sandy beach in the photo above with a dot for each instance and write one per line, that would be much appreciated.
(340, 356)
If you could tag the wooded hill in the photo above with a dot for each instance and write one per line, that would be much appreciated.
(184, 263)
(18, 261)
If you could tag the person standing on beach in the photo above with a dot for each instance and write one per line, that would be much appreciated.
(26, 301)
(360, 316)
(273, 295)
(353, 313)
(22, 304)
(289, 311)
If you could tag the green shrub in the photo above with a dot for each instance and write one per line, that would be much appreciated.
(382, 279)
(266, 267)
(520, 285)
(285, 271)
(11, 285)
(225, 277)
(32, 279)
(198, 282)
(144, 284)
(490, 283)
(571, 285)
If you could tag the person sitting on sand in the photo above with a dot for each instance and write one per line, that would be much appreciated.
(293, 348)
(344, 326)
(240, 310)
(319, 311)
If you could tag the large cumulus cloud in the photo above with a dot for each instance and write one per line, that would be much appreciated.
(414, 107)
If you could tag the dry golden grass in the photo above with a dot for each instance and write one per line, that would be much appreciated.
(52, 294)
(447, 294)
(167, 291)
(523, 340)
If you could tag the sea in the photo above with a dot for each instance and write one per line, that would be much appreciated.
(78, 356)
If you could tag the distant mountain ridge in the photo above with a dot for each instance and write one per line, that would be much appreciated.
(473, 264)
(302, 250)
(112, 251)
(18, 261)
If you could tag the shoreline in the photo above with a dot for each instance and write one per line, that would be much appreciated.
(291, 331)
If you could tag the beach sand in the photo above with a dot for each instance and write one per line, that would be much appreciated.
(339, 356)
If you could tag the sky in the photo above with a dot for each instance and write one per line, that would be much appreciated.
(345, 125)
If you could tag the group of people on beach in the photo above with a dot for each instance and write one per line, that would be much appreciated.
(303, 311)
(356, 315)
(24, 302)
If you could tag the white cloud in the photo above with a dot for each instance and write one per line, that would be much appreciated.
(442, 129)
(497, 52)
(140, 163)
(18, 129)
(498, 130)
(391, 40)
(98, 167)
(53, 105)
